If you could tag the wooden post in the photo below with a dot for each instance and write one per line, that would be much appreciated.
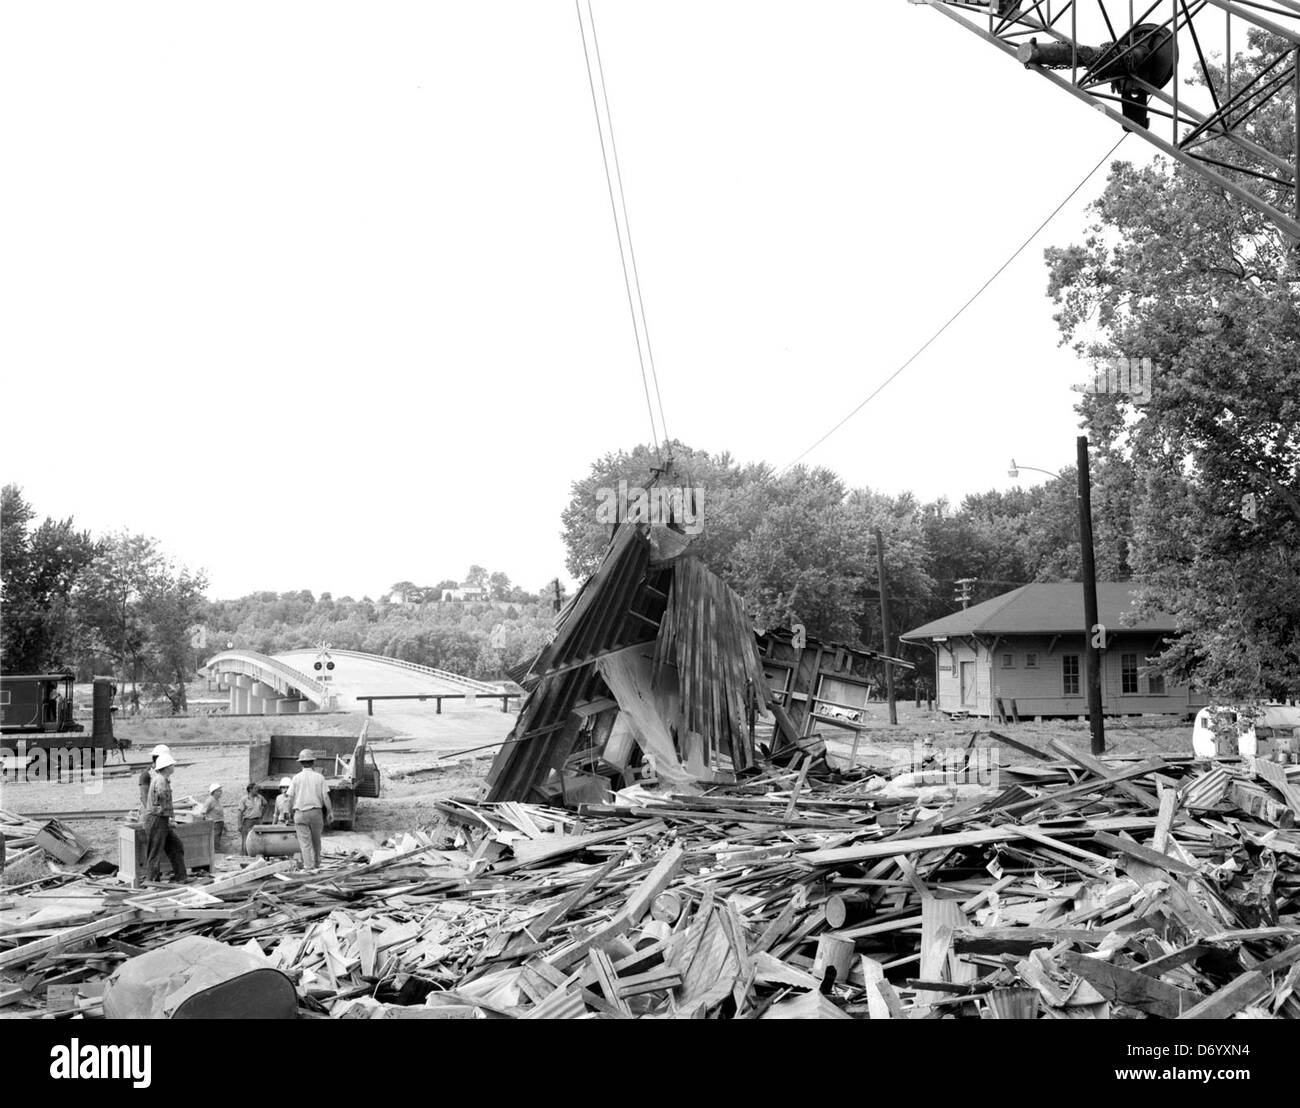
(833, 953)
(884, 624)
(1091, 629)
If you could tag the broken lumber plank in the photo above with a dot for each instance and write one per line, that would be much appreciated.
(1125, 986)
(1242, 990)
(654, 883)
(886, 848)
(1109, 775)
(537, 928)
(1143, 853)
(662, 977)
(608, 979)
(28, 951)
(1019, 940)
(882, 999)
(1016, 744)
(572, 844)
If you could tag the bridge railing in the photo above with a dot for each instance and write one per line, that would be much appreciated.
(505, 698)
(468, 682)
(251, 664)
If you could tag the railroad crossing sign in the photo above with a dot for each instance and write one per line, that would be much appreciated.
(324, 664)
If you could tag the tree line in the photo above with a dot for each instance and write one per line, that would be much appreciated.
(115, 605)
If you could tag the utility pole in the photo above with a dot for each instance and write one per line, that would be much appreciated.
(884, 625)
(965, 583)
(1094, 635)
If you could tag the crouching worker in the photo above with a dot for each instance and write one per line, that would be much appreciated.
(283, 812)
(158, 820)
(250, 814)
(210, 809)
(309, 797)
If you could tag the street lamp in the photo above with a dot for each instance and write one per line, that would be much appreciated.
(1014, 471)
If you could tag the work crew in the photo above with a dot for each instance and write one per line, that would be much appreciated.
(283, 813)
(309, 798)
(210, 808)
(146, 777)
(158, 820)
(250, 814)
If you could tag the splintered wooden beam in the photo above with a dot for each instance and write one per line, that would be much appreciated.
(1100, 769)
(658, 879)
(1130, 988)
(1143, 853)
(1244, 990)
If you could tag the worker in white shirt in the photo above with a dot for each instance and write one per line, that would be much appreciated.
(146, 777)
(210, 808)
(309, 797)
(283, 813)
(159, 817)
(251, 808)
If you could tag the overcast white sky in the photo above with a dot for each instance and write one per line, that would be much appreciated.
(327, 295)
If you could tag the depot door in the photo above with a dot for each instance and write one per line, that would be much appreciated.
(968, 684)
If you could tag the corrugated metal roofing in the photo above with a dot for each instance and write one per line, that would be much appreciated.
(1047, 608)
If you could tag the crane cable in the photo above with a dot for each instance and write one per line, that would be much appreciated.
(630, 276)
(953, 318)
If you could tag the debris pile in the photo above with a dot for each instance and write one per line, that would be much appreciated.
(1075, 889)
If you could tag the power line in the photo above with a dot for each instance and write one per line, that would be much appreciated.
(618, 230)
(921, 350)
(627, 223)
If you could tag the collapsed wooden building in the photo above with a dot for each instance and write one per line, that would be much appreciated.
(654, 670)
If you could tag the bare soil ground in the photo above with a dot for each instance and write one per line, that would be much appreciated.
(215, 749)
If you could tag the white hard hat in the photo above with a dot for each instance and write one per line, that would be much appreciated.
(164, 761)
(159, 749)
(285, 782)
(214, 787)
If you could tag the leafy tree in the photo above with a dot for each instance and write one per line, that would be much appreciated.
(1177, 272)
(719, 482)
(40, 567)
(136, 606)
(477, 577)
(170, 605)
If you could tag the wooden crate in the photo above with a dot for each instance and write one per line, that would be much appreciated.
(196, 838)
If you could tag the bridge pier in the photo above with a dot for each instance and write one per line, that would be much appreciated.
(239, 686)
(262, 699)
(287, 706)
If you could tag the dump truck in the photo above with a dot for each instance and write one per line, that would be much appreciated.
(346, 762)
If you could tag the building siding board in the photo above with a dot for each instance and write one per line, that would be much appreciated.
(1040, 691)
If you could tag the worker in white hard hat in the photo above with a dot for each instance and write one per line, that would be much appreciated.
(146, 776)
(309, 797)
(158, 820)
(210, 808)
(283, 813)
(251, 808)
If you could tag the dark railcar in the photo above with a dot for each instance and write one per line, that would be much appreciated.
(37, 708)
